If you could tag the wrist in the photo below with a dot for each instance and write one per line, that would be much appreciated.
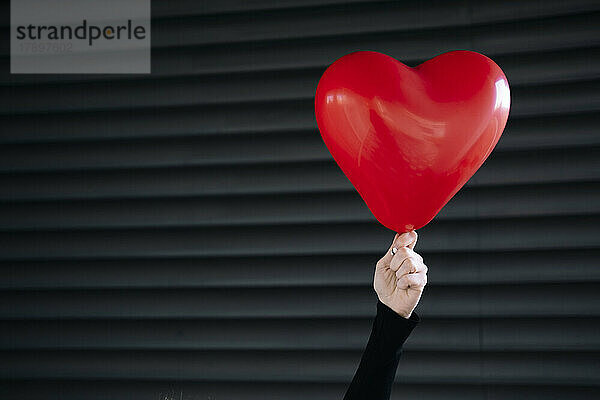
(390, 314)
(400, 311)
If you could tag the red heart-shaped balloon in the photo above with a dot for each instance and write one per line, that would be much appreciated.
(409, 138)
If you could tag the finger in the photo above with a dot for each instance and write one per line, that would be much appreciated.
(414, 242)
(412, 281)
(400, 241)
(410, 266)
(397, 260)
(406, 238)
(402, 254)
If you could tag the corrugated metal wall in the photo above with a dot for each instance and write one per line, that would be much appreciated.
(186, 235)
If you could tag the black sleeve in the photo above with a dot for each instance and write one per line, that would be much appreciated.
(374, 377)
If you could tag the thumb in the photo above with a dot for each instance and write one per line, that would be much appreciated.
(408, 239)
(414, 241)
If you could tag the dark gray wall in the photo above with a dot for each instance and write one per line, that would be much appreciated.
(187, 235)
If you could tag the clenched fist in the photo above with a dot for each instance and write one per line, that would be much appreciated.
(401, 275)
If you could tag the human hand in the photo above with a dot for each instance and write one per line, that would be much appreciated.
(401, 277)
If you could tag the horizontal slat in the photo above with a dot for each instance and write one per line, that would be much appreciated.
(525, 300)
(231, 8)
(319, 22)
(480, 11)
(537, 35)
(486, 335)
(245, 390)
(345, 206)
(183, 8)
(504, 168)
(304, 145)
(454, 268)
(545, 68)
(574, 368)
(556, 98)
(301, 239)
(580, 97)
(541, 34)
(347, 19)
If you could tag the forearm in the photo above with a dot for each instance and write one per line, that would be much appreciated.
(374, 377)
